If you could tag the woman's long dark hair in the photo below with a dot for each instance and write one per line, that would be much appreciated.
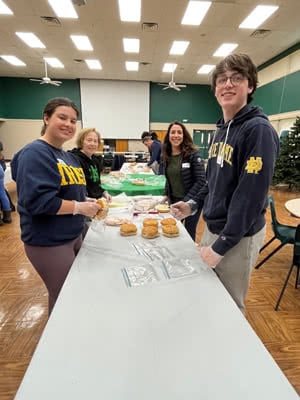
(52, 105)
(187, 146)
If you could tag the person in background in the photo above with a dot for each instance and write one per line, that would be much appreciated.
(6, 204)
(154, 148)
(184, 170)
(240, 169)
(4, 201)
(88, 142)
(51, 197)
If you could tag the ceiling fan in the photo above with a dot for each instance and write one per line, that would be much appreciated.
(46, 80)
(172, 84)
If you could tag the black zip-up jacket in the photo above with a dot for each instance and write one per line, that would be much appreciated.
(239, 171)
(92, 168)
(193, 176)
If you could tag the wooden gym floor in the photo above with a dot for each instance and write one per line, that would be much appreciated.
(23, 305)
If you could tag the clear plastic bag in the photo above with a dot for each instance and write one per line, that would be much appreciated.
(140, 275)
(178, 268)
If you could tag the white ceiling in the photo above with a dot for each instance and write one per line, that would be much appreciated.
(99, 19)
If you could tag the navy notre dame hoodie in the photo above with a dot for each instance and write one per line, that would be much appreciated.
(240, 169)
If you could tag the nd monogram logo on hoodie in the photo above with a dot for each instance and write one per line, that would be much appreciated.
(254, 165)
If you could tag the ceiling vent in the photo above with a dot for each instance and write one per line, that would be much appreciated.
(149, 26)
(260, 33)
(51, 21)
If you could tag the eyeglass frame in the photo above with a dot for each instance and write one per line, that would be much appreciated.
(235, 79)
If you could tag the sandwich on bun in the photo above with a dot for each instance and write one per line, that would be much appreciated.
(128, 229)
(150, 232)
(170, 230)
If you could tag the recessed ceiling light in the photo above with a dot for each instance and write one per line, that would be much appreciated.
(225, 49)
(63, 8)
(258, 16)
(82, 42)
(195, 12)
(31, 39)
(54, 62)
(205, 69)
(169, 67)
(132, 65)
(130, 10)
(93, 64)
(13, 60)
(179, 47)
(131, 45)
(4, 9)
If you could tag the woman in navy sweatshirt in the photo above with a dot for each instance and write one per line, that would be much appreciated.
(51, 197)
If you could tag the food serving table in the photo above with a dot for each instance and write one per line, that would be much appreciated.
(154, 184)
(293, 207)
(178, 338)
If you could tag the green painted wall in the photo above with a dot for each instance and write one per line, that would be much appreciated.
(1, 101)
(22, 99)
(196, 103)
(279, 96)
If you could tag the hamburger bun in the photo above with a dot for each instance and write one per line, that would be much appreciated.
(102, 213)
(128, 229)
(162, 208)
(150, 232)
(170, 230)
(150, 222)
(168, 221)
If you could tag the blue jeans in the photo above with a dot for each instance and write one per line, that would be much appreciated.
(3, 197)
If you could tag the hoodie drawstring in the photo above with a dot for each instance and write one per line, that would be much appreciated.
(226, 137)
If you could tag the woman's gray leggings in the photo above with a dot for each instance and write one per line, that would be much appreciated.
(53, 264)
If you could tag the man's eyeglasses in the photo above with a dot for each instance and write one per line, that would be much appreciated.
(235, 80)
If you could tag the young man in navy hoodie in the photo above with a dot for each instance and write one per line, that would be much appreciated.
(240, 169)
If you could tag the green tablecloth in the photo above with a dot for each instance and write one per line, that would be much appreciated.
(154, 184)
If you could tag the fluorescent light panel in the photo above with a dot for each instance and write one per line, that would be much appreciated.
(13, 60)
(259, 15)
(169, 67)
(93, 64)
(179, 47)
(82, 42)
(4, 9)
(63, 8)
(205, 69)
(132, 65)
(130, 10)
(31, 40)
(54, 62)
(195, 12)
(131, 45)
(225, 49)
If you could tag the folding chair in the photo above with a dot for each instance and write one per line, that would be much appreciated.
(295, 263)
(284, 233)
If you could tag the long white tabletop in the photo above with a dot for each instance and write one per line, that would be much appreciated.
(172, 339)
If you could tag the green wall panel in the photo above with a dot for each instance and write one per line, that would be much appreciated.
(22, 99)
(196, 103)
(2, 111)
(279, 96)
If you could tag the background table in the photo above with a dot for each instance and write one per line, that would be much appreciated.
(179, 339)
(154, 184)
(293, 206)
